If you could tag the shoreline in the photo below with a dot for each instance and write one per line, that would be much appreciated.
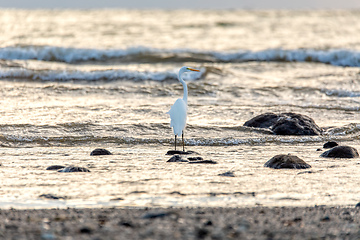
(318, 222)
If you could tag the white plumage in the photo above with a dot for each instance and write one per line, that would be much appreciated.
(178, 111)
(178, 115)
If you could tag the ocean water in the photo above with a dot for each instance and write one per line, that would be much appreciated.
(72, 81)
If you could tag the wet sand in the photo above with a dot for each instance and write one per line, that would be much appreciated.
(317, 222)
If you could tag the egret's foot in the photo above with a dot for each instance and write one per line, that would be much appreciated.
(173, 152)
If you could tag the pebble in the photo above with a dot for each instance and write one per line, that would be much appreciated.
(341, 152)
(50, 196)
(227, 174)
(330, 144)
(55, 167)
(177, 158)
(195, 158)
(100, 151)
(74, 169)
(286, 161)
(158, 215)
(204, 161)
(173, 152)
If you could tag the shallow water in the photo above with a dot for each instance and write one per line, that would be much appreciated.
(73, 81)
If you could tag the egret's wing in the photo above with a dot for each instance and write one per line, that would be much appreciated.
(178, 114)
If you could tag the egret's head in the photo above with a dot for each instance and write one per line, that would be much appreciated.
(188, 69)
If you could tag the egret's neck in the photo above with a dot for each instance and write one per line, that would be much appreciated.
(185, 97)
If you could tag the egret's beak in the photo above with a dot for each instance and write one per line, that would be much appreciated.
(195, 70)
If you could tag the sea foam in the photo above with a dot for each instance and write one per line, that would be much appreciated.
(337, 57)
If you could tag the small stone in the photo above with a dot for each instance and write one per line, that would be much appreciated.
(330, 145)
(204, 161)
(74, 169)
(177, 158)
(100, 151)
(341, 152)
(227, 174)
(117, 199)
(358, 204)
(286, 161)
(158, 215)
(50, 196)
(173, 152)
(85, 230)
(126, 224)
(195, 158)
(55, 167)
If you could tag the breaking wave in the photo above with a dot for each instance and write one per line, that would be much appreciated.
(337, 57)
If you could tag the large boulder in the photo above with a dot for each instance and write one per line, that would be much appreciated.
(285, 124)
(341, 152)
(286, 161)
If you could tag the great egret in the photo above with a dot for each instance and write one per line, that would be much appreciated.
(178, 111)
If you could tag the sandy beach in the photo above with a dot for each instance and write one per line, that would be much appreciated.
(317, 222)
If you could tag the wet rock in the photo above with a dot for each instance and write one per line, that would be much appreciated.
(227, 174)
(195, 158)
(177, 158)
(173, 152)
(330, 144)
(86, 230)
(286, 161)
(285, 124)
(74, 169)
(341, 152)
(204, 161)
(158, 215)
(100, 151)
(50, 196)
(55, 167)
(265, 120)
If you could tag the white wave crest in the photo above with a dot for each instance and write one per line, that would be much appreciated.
(107, 75)
(337, 57)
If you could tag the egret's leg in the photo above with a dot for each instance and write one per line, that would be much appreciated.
(182, 135)
(175, 142)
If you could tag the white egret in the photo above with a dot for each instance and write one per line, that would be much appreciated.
(178, 111)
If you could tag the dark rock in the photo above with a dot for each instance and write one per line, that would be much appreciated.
(177, 158)
(126, 224)
(100, 151)
(55, 167)
(286, 161)
(74, 169)
(325, 219)
(285, 124)
(341, 152)
(227, 174)
(195, 158)
(265, 120)
(85, 230)
(158, 215)
(358, 204)
(204, 161)
(173, 152)
(117, 199)
(50, 196)
(330, 145)
(201, 233)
